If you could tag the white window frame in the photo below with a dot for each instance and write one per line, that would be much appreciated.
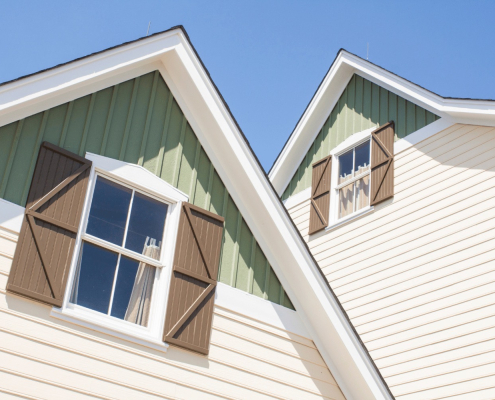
(348, 144)
(139, 179)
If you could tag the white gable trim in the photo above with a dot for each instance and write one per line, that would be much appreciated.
(218, 133)
(344, 67)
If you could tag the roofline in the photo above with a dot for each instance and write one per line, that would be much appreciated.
(381, 384)
(343, 51)
(94, 54)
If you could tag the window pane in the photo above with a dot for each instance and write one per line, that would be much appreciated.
(345, 166)
(346, 197)
(93, 280)
(108, 213)
(146, 225)
(132, 297)
(362, 159)
(363, 192)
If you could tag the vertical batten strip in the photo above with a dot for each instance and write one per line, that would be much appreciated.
(194, 175)
(37, 145)
(148, 119)
(178, 156)
(235, 261)
(166, 124)
(65, 128)
(267, 280)
(252, 264)
(108, 122)
(129, 118)
(210, 187)
(82, 146)
(10, 161)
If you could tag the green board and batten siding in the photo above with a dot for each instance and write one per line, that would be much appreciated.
(139, 121)
(361, 106)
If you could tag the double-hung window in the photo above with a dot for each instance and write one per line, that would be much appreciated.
(121, 266)
(120, 252)
(353, 183)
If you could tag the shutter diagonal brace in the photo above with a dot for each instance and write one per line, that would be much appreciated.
(190, 310)
(44, 262)
(200, 244)
(211, 283)
(59, 187)
(321, 176)
(387, 161)
(31, 214)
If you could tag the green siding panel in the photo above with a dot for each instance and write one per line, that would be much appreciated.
(361, 106)
(139, 121)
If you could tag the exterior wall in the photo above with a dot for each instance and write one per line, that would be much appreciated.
(140, 122)
(417, 275)
(361, 106)
(45, 358)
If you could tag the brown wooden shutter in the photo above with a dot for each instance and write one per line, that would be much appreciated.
(194, 279)
(51, 221)
(320, 195)
(382, 163)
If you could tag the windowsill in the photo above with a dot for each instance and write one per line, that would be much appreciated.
(141, 338)
(349, 218)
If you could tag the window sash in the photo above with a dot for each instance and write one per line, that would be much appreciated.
(120, 250)
(353, 181)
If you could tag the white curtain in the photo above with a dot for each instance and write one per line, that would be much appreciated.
(139, 304)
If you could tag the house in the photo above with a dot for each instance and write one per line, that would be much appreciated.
(392, 188)
(145, 254)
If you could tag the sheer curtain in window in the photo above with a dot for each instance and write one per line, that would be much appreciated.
(139, 304)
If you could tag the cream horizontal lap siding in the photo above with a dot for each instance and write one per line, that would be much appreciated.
(44, 358)
(417, 275)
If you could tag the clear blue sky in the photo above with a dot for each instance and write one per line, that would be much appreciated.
(268, 57)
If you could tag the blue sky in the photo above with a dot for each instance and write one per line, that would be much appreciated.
(268, 57)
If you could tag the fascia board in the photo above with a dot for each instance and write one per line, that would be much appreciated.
(271, 225)
(310, 124)
(243, 176)
(48, 89)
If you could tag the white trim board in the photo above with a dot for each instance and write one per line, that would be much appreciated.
(256, 308)
(11, 216)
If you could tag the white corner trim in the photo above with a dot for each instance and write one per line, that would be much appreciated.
(256, 308)
(298, 198)
(11, 216)
(137, 176)
(66, 316)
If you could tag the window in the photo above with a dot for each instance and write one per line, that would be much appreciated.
(124, 251)
(354, 179)
(116, 268)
